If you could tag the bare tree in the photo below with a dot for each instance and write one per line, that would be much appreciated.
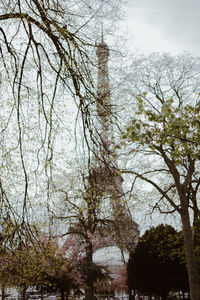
(47, 61)
(92, 210)
(82, 211)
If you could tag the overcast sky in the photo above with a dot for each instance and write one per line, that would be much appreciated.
(164, 25)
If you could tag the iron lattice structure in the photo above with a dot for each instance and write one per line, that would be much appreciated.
(104, 174)
(104, 180)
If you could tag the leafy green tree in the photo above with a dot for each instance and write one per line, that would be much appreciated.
(155, 267)
(165, 128)
(43, 265)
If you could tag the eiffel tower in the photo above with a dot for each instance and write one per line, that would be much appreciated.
(104, 182)
(104, 173)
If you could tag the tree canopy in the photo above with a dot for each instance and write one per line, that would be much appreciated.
(156, 267)
(43, 265)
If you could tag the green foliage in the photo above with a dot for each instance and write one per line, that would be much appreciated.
(42, 264)
(156, 266)
(175, 128)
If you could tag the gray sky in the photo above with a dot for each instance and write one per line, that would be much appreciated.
(164, 25)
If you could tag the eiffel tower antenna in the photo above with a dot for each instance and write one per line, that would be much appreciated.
(102, 35)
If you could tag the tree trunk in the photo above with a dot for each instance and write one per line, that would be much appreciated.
(89, 291)
(42, 294)
(193, 274)
(62, 295)
(24, 294)
(3, 292)
(66, 295)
